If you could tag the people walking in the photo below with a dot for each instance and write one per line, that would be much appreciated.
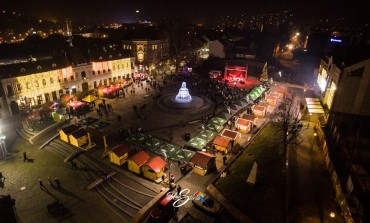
(25, 158)
(57, 182)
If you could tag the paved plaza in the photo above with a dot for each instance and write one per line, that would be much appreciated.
(101, 205)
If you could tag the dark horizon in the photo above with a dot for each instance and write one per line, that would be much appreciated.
(124, 11)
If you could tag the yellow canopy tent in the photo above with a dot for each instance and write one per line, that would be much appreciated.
(89, 98)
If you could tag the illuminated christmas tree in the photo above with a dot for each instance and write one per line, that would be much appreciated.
(264, 75)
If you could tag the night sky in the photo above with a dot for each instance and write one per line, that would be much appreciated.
(193, 10)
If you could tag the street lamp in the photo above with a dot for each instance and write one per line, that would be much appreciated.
(3, 150)
(313, 140)
(332, 216)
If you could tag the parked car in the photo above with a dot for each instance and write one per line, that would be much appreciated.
(163, 211)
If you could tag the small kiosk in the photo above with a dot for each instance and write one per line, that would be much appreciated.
(203, 163)
(66, 131)
(259, 110)
(78, 138)
(153, 168)
(233, 135)
(243, 125)
(222, 144)
(251, 118)
(271, 100)
(118, 155)
(135, 162)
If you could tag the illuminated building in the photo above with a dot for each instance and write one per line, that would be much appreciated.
(25, 85)
(343, 84)
(148, 52)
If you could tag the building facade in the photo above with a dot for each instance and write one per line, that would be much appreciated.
(343, 85)
(25, 85)
(148, 53)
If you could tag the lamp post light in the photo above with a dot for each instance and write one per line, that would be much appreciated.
(3, 150)
(313, 140)
(332, 216)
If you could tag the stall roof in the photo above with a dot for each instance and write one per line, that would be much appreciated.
(242, 121)
(175, 153)
(69, 129)
(152, 143)
(249, 117)
(259, 107)
(197, 143)
(140, 157)
(218, 121)
(230, 133)
(201, 159)
(79, 133)
(271, 97)
(138, 138)
(214, 128)
(224, 115)
(120, 150)
(89, 98)
(155, 163)
(208, 135)
(221, 141)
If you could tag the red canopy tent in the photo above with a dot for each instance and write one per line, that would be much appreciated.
(75, 104)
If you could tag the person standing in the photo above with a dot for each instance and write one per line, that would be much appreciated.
(41, 184)
(2, 178)
(57, 182)
(178, 189)
(25, 158)
(224, 158)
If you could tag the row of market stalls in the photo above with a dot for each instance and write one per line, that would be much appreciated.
(160, 147)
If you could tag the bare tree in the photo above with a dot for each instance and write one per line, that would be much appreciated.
(177, 39)
(289, 123)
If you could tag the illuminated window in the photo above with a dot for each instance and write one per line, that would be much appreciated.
(36, 83)
(28, 85)
(43, 82)
(51, 80)
(54, 65)
(23, 70)
(39, 67)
